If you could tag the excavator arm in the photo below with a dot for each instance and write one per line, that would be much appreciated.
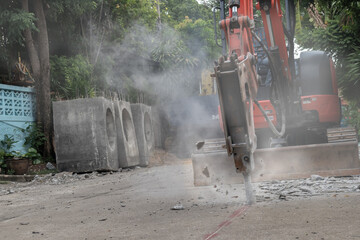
(237, 83)
(237, 79)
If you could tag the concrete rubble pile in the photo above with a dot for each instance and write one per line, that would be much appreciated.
(54, 179)
(48, 179)
(316, 185)
(61, 178)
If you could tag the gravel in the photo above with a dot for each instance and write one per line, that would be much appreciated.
(315, 185)
(265, 191)
(52, 179)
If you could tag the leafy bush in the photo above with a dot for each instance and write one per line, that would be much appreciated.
(7, 143)
(340, 39)
(13, 22)
(5, 151)
(35, 138)
(33, 155)
(2, 159)
(353, 115)
(71, 77)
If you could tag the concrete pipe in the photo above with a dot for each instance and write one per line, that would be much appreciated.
(85, 135)
(144, 131)
(128, 152)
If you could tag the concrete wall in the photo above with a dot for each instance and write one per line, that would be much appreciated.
(127, 144)
(144, 131)
(85, 135)
(17, 112)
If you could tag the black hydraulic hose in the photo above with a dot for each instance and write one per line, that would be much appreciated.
(215, 29)
(273, 70)
(289, 31)
(271, 125)
(274, 76)
(274, 73)
(290, 38)
(261, 43)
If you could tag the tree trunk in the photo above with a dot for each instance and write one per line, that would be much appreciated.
(34, 60)
(159, 14)
(44, 88)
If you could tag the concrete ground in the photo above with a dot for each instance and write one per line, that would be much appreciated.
(137, 205)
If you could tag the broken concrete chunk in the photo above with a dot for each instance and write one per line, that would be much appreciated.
(178, 206)
(206, 172)
(305, 189)
(316, 177)
(50, 166)
(282, 197)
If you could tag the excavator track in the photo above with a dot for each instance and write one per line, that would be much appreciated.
(342, 134)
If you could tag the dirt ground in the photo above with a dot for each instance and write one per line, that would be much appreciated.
(138, 204)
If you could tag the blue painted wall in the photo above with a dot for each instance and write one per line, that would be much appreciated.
(17, 111)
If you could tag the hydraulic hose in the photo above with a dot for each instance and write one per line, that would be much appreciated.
(275, 75)
(271, 125)
(273, 71)
(215, 29)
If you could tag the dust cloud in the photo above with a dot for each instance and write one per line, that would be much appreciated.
(158, 64)
(152, 62)
(173, 78)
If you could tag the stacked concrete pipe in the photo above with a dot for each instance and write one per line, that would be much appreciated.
(127, 144)
(144, 131)
(85, 135)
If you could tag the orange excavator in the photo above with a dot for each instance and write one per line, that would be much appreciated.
(278, 123)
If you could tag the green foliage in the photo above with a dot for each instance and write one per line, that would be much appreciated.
(199, 36)
(85, 34)
(61, 10)
(340, 39)
(2, 159)
(352, 115)
(179, 64)
(33, 155)
(172, 52)
(14, 22)
(10, 172)
(35, 138)
(71, 77)
(350, 79)
(126, 12)
(2, 155)
(178, 10)
(7, 143)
